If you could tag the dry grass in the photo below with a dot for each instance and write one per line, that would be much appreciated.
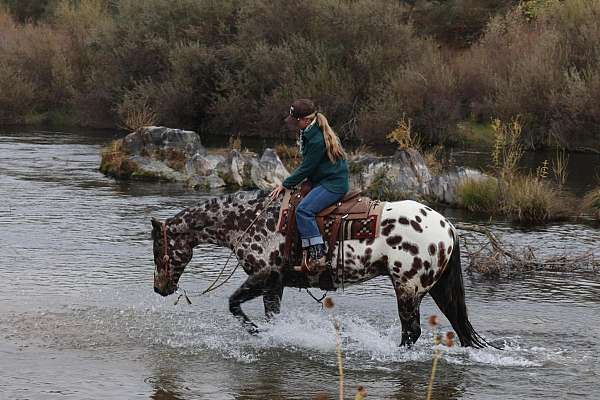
(403, 135)
(479, 195)
(559, 167)
(140, 114)
(523, 198)
(591, 202)
(360, 151)
(432, 157)
(289, 155)
(530, 199)
(114, 161)
(235, 143)
(507, 149)
(172, 157)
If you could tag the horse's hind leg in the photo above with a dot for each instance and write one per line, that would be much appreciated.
(251, 289)
(410, 317)
(272, 292)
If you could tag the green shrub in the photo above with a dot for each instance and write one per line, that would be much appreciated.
(529, 199)
(479, 195)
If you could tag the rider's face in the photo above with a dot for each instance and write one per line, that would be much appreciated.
(297, 123)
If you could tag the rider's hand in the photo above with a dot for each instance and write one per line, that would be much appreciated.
(276, 191)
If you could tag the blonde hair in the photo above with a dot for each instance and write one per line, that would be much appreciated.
(334, 148)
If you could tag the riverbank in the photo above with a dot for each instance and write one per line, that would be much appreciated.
(159, 153)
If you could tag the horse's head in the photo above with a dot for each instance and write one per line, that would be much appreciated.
(172, 252)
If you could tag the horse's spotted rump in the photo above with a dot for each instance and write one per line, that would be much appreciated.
(394, 240)
(432, 249)
(387, 230)
(443, 224)
(424, 212)
(417, 263)
(416, 226)
(411, 248)
(388, 221)
(403, 220)
(418, 218)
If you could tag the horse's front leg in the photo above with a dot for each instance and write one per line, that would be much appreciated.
(254, 286)
(272, 293)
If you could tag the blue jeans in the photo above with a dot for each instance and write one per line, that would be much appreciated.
(315, 201)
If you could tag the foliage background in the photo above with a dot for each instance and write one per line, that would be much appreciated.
(233, 66)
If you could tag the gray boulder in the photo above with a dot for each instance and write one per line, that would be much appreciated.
(269, 171)
(146, 140)
(407, 173)
(203, 165)
(444, 188)
(205, 182)
(151, 169)
(235, 169)
(406, 170)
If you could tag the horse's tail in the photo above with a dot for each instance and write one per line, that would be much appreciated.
(449, 295)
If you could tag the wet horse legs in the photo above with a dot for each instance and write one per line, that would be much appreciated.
(267, 283)
(408, 310)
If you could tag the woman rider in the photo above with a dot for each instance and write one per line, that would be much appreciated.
(324, 166)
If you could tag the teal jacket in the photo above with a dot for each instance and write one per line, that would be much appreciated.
(316, 166)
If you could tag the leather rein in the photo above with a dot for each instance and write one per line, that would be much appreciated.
(213, 285)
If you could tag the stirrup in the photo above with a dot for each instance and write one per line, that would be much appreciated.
(311, 267)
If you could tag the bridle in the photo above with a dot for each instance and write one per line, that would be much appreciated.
(165, 255)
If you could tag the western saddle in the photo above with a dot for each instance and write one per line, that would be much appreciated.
(353, 217)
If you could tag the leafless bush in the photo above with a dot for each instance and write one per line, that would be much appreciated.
(489, 256)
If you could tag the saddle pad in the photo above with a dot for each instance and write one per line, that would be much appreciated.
(354, 229)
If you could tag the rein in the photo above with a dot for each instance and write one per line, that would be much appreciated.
(214, 286)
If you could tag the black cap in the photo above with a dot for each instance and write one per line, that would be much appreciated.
(301, 108)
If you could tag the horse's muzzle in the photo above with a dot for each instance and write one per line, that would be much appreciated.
(157, 290)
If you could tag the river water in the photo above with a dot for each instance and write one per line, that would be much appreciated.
(79, 318)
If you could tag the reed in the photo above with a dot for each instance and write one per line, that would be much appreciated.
(559, 166)
(447, 340)
(138, 115)
(328, 304)
(591, 202)
(507, 149)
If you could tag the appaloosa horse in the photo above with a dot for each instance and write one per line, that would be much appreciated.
(416, 247)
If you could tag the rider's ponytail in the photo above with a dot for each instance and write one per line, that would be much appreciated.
(332, 141)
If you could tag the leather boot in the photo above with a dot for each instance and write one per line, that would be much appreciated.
(313, 260)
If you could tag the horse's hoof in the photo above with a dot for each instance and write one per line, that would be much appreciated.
(252, 328)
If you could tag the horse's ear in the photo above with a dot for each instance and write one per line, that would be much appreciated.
(156, 224)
